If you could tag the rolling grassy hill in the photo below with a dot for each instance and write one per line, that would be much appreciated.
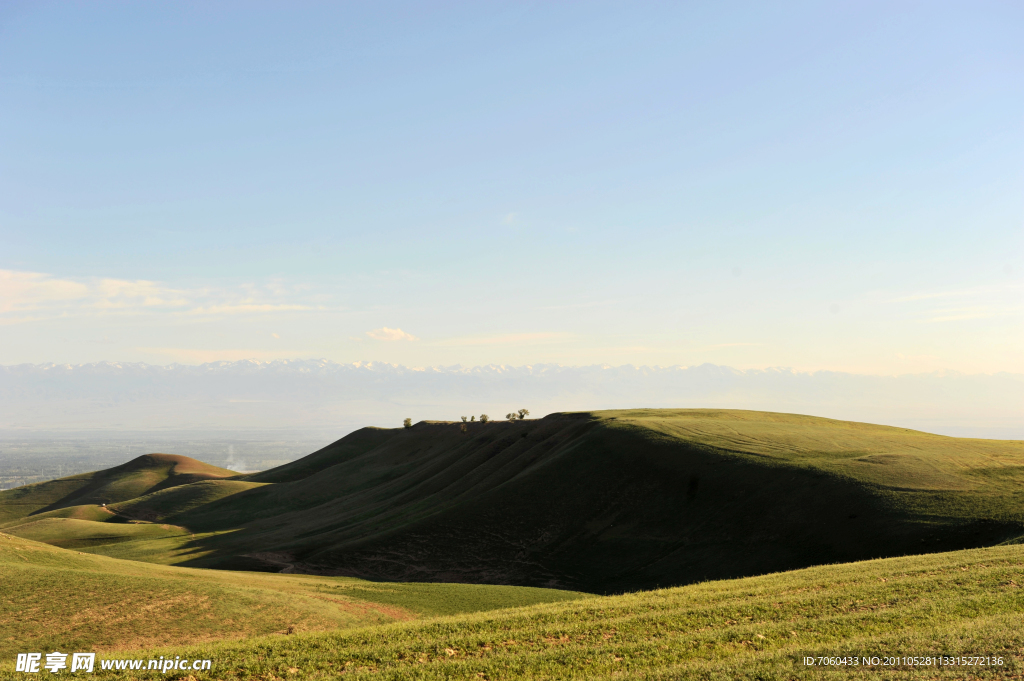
(58, 599)
(600, 501)
(612, 501)
(139, 476)
(962, 604)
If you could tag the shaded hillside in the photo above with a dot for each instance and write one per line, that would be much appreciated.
(624, 500)
(600, 502)
(345, 449)
(142, 475)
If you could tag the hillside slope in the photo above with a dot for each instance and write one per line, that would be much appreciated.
(58, 599)
(964, 607)
(142, 475)
(600, 502)
(620, 500)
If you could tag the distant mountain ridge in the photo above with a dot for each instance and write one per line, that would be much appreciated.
(331, 396)
(326, 366)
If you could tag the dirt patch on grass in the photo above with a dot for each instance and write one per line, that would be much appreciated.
(365, 609)
(115, 613)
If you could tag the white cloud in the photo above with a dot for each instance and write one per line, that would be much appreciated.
(26, 291)
(979, 302)
(974, 313)
(35, 296)
(508, 339)
(200, 355)
(978, 292)
(386, 334)
(241, 308)
(735, 345)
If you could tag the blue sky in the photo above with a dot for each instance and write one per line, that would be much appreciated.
(812, 185)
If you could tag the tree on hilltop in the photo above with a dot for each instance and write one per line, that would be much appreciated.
(523, 413)
(407, 423)
(484, 418)
(463, 419)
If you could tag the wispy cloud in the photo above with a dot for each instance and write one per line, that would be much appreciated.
(576, 306)
(31, 291)
(386, 334)
(970, 292)
(34, 296)
(974, 313)
(507, 339)
(242, 308)
(978, 302)
(201, 356)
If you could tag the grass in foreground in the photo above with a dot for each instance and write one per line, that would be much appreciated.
(58, 599)
(959, 603)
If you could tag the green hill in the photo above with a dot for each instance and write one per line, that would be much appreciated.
(57, 599)
(964, 607)
(175, 501)
(613, 501)
(143, 475)
(600, 502)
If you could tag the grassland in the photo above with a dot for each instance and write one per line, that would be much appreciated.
(140, 476)
(56, 599)
(625, 500)
(605, 502)
(602, 502)
(966, 603)
(71, 533)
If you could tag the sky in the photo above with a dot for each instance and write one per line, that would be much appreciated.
(822, 186)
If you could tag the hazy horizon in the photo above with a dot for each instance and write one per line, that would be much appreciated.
(323, 400)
